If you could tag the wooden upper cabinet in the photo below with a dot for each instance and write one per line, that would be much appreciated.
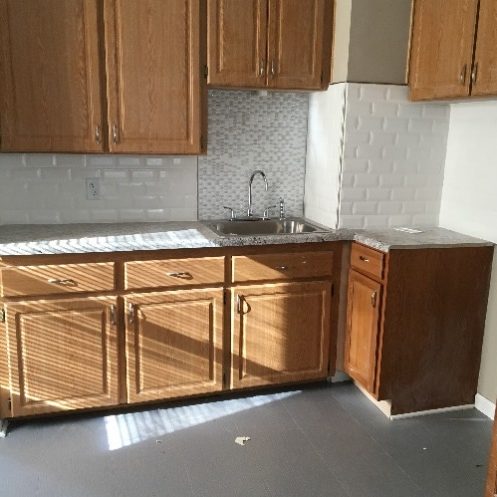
(62, 354)
(363, 313)
(296, 49)
(484, 73)
(280, 44)
(442, 48)
(237, 42)
(156, 94)
(49, 76)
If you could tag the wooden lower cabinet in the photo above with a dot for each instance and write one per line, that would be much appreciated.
(173, 344)
(363, 321)
(62, 354)
(491, 488)
(280, 333)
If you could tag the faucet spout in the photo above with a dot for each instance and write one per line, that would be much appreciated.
(254, 174)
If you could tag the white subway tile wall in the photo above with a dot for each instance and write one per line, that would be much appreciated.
(393, 159)
(248, 131)
(46, 188)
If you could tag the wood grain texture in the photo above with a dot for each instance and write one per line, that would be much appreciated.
(300, 34)
(491, 486)
(50, 81)
(484, 72)
(62, 355)
(237, 43)
(154, 58)
(174, 344)
(442, 48)
(280, 333)
(367, 261)
(363, 323)
(282, 266)
(433, 323)
(174, 272)
(56, 279)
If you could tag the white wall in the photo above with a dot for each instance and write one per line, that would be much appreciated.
(469, 204)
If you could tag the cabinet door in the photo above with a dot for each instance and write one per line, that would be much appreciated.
(154, 53)
(491, 487)
(49, 76)
(299, 41)
(364, 298)
(237, 43)
(174, 344)
(484, 74)
(62, 354)
(280, 333)
(441, 48)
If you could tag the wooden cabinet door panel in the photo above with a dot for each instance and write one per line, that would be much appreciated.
(484, 74)
(237, 42)
(154, 52)
(280, 333)
(297, 40)
(442, 48)
(491, 487)
(62, 354)
(364, 301)
(174, 344)
(50, 87)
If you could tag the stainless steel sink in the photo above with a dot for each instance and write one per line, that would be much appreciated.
(264, 227)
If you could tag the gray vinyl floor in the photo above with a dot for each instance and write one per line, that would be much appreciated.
(314, 441)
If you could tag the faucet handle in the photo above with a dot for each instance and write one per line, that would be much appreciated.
(282, 208)
(267, 211)
(232, 212)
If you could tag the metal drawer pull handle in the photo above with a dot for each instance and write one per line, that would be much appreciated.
(364, 259)
(282, 268)
(112, 312)
(131, 313)
(182, 276)
(373, 298)
(63, 282)
(462, 74)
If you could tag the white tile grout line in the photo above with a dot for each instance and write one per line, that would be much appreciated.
(485, 406)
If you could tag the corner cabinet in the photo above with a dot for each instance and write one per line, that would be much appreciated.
(114, 76)
(453, 49)
(415, 324)
(274, 44)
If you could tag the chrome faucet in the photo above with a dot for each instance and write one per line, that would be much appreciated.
(254, 174)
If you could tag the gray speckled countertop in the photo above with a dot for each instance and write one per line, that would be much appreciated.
(119, 237)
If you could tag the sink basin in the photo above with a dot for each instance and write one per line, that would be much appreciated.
(264, 227)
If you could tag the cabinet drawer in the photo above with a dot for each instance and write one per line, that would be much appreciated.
(367, 260)
(51, 279)
(174, 272)
(281, 266)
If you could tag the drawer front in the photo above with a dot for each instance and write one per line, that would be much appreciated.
(282, 266)
(51, 279)
(174, 272)
(367, 260)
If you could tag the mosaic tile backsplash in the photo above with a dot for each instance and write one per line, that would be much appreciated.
(248, 131)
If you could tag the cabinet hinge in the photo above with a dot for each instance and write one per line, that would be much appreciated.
(206, 71)
(2, 316)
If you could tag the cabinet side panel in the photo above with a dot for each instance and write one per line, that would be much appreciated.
(436, 301)
(491, 487)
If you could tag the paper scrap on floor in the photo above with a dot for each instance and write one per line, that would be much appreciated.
(241, 440)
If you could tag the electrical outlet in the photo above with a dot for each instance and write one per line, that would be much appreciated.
(93, 188)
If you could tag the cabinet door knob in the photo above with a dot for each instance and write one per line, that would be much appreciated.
(261, 68)
(112, 315)
(462, 74)
(115, 134)
(474, 73)
(374, 297)
(98, 135)
(363, 259)
(273, 68)
(131, 313)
